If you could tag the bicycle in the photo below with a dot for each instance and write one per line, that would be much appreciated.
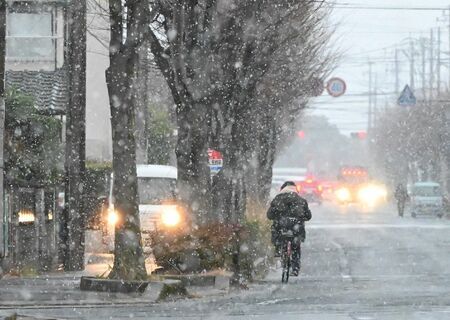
(286, 255)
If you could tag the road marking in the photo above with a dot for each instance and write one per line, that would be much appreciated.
(378, 226)
(275, 301)
(343, 262)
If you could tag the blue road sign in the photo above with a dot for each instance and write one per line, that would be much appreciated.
(407, 98)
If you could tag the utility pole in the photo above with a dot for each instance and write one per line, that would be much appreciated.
(369, 113)
(2, 109)
(375, 103)
(397, 71)
(411, 66)
(423, 69)
(438, 64)
(431, 78)
(75, 157)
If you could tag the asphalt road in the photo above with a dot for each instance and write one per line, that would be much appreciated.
(357, 264)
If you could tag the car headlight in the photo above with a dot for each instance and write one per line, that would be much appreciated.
(343, 194)
(372, 194)
(170, 217)
(367, 195)
(113, 217)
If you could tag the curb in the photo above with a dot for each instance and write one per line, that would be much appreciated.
(201, 280)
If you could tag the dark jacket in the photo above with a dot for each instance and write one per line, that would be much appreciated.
(289, 204)
(401, 194)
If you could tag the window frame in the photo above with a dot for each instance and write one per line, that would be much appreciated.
(37, 8)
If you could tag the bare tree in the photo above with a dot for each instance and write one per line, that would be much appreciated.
(127, 22)
(178, 43)
(300, 61)
(216, 56)
(410, 143)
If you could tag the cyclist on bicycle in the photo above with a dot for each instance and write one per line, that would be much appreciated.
(288, 204)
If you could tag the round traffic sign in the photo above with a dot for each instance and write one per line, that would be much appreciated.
(336, 87)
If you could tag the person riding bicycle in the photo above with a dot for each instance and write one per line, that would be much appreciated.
(289, 204)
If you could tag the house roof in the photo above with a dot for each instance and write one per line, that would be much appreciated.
(48, 88)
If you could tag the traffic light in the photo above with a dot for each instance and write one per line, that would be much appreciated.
(360, 135)
(301, 134)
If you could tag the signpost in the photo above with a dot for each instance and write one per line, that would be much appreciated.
(336, 87)
(215, 161)
(407, 98)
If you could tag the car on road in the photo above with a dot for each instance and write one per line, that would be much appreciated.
(427, 199)
(310, 189)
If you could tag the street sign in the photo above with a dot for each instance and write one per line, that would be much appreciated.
(336, 87)
(407, 98)
(215, 161)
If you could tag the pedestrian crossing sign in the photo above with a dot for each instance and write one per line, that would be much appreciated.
(407, 98)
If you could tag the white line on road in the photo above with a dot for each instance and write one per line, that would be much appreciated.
(343, 262)
(378, 226)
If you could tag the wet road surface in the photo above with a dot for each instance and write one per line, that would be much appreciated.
(357, 264)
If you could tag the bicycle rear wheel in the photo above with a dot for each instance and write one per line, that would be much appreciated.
(286, 262)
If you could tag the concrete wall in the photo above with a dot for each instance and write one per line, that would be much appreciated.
(98, 125)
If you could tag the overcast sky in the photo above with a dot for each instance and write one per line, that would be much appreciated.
(365, 35)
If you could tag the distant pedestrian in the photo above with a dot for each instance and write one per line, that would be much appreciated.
(401, 195)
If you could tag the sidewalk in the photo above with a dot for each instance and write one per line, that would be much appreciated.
(62, 289)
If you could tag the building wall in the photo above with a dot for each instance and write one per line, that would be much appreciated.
(39, 14)
(34, 42)
(98, 124)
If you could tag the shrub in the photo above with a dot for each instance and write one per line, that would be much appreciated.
(210, 247)
(97, 185)
(256, 248)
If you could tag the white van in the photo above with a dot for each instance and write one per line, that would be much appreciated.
(157, 201)
(427, 198)
(157, 196)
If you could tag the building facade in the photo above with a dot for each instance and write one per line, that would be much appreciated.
(35, 45)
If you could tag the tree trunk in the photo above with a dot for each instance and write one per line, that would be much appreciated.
(74, 212)
(232, 190)
(140, 97)
(192, 120)
(266, 159)
(192, 161)
(128, 254)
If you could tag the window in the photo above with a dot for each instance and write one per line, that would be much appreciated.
(427, 191)
(156, 190)
(30, 36)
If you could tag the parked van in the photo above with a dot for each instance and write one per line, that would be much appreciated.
(158, 209)
(157, 196)
(427, 199)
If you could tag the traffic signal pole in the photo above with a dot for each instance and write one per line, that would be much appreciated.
(369, 113)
